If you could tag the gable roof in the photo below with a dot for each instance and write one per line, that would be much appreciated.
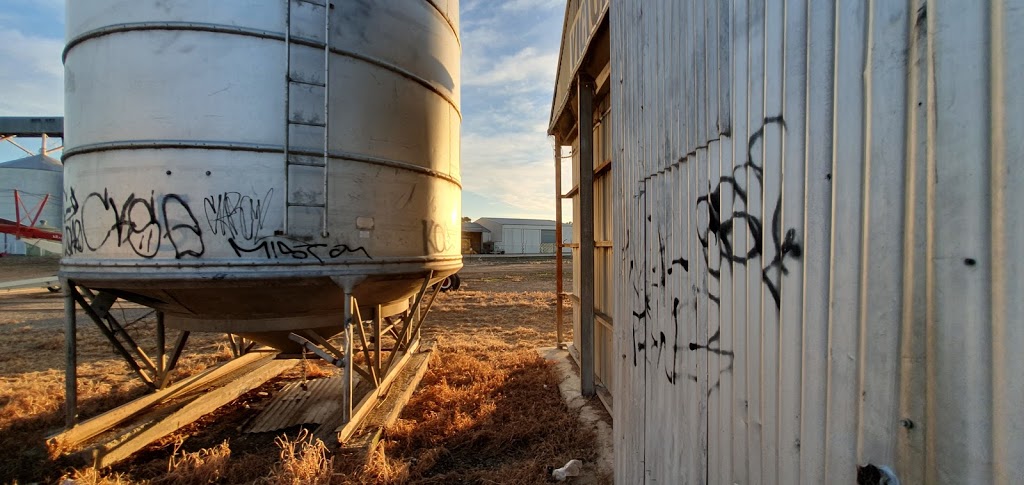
(35, 162)
(517, 222)
(473, 227)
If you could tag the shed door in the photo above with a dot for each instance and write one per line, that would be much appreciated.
(531, 241)
(512, 240)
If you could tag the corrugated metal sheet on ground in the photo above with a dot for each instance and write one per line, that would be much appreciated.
(819, 240)
(296, 404)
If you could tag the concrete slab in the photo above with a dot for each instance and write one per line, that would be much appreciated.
(591, 413)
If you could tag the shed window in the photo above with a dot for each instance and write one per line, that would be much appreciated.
(547, 236)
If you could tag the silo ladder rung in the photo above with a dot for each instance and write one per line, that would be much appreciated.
(307, 123)
(307, 83)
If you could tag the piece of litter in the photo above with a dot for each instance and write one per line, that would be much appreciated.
(262, 394)
(571, 469)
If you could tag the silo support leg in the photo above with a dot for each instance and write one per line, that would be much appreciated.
(415, 335)
(71, 364)
(373, 376)
(102, 303)
(402, 341)
(346, 390)
(161, 347)
(172, 362)
(377, 323)
(112, 337)
(330, 355)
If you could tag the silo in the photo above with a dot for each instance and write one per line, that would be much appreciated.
(241, 166)
(37, 182)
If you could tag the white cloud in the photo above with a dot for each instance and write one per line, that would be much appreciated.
(513, 168)
(521, 5)
(509, 62)
(528, 68)
(31, 74)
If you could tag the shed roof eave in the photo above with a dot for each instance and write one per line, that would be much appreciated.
(558, 71)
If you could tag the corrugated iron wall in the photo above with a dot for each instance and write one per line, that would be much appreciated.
(819, 240)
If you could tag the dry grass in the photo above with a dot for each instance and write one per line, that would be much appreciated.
(209, 465)
(32, 375)
(487, 411)
(303, 461)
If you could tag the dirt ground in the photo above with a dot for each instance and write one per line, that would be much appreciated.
(487, 411)
(14, 267)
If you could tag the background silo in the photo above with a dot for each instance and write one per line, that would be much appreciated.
(38, 180)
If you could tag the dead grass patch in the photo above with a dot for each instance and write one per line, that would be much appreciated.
(208, 465)
(487, 411)
(304, 460)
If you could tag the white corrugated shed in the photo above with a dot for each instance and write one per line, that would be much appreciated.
(523, 236)
(836, 186)
(38, 179)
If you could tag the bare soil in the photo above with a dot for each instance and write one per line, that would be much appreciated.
(487, 411)
(16, 267)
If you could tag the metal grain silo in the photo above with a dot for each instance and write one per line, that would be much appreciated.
(30, 188)
(241, 166)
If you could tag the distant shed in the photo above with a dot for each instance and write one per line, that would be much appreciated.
(473, 238)
(522, 236)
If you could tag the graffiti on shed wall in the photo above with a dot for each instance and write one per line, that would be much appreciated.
(721, 246)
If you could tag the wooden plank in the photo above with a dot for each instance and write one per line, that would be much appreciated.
(368, 402)
(69, 440)
(407, 382)
(114, 451)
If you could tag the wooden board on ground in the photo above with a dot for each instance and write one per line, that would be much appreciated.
(115, 435)
(385, 414)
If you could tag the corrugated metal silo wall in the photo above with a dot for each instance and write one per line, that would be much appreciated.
(819, 240)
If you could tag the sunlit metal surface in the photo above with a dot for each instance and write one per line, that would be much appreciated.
(183, 192)
(818, 241)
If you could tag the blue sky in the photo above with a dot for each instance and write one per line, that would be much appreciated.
(509, 57)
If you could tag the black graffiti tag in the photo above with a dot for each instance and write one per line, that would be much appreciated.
(277, 247)
(185, 234)
(237, 216)
(103, 219)
(742, 184)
